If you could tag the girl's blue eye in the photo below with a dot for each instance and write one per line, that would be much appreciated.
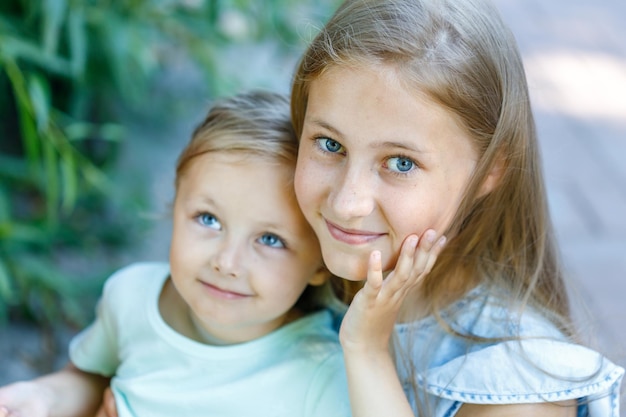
(271, 240)
(400, 164)
(209, 220)
(330, 145)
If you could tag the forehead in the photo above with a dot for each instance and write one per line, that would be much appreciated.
(238, 166)
(240, 179)
(374, 105)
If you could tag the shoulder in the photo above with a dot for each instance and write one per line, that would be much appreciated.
(132, 286)
(327, 394)
(313, 343)
(315, 331)
(137, 275)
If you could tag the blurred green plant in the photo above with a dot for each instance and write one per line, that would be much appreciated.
(68, 70)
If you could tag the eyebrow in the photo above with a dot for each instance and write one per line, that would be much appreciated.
(400, 145)
(376, 145)
(324, 125)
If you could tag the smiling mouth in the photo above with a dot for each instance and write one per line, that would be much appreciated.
(351, 236)
(218, 292)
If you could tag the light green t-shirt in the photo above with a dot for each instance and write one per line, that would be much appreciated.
(295, 371)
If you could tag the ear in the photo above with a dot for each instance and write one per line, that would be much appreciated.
(492, 180)
(320, 276)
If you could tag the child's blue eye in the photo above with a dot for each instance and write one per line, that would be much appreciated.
(329, 145)
(209, 220)
(400, 164)
(271, 240)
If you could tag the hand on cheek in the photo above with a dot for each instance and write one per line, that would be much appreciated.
(369, 322)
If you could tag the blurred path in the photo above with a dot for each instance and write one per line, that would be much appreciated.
(575, 57)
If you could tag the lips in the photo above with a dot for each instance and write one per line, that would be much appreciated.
(221, 293)
(351, 236)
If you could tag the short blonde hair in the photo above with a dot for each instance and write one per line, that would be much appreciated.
(254, 123)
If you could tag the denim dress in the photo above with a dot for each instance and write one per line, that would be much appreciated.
(541, 365)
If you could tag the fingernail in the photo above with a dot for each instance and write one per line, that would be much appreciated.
(430, 235)
(442, 241)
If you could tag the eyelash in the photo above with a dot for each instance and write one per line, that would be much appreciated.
(318, 143)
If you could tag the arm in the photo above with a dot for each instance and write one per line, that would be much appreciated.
(373, 382)
(67, 393)
(561, 409)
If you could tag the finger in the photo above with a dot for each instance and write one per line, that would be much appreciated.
(109, 403)
(441, 243)
(424, 254)
(404, 264)
(374, 275)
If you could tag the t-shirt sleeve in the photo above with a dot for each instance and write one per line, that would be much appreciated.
(95, 349)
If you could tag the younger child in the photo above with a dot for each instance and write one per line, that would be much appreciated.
(239, 323)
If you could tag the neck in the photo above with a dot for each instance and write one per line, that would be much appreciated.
(203, 335)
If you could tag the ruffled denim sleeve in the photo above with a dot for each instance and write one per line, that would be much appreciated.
(537, 363)
(528, 371)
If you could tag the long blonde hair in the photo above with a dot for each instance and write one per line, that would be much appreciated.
(463, 57)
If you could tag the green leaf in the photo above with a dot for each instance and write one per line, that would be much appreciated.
(23, 232)
(53, 12)
(39, 93)
(15, 48)
(30, 138)
(79, 131)
(5, 208)
(50, 182)
(69, 177)
(77, 36)
(112, 132)
(7, 291)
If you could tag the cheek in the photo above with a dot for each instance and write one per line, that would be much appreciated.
(415, 216)
(305, 184)
(186, 251)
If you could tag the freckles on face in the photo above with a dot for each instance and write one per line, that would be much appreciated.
(377, 162)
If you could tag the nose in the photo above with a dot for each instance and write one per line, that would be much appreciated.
(352, 193)
(227, 258)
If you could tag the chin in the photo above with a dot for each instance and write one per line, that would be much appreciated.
(351, 267)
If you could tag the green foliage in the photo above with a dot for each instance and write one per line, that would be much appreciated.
(68, 70)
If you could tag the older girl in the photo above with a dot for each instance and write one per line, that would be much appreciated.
(414, 114)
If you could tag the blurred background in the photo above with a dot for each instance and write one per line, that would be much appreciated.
(98, 97)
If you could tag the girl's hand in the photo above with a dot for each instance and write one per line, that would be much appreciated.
(369, 321)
